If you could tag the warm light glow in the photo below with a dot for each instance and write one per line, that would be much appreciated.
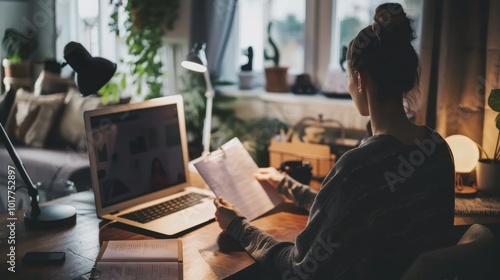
(465, 152)
(193, 66)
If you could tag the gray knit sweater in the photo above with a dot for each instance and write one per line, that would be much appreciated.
(381, 205)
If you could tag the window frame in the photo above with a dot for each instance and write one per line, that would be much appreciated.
(317, 45)
(319, 36)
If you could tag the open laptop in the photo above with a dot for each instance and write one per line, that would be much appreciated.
(139, 166)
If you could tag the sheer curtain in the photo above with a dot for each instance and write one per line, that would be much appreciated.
(453, 66)
(211, 22)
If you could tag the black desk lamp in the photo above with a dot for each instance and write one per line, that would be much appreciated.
(92, 74)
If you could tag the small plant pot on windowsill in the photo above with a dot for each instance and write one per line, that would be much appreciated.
(246, 79)
(488, 176)
(277, 79)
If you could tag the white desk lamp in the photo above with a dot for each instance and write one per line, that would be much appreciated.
(465, 154)
(197, 61)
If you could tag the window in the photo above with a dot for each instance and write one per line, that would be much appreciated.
(309, 34)
(353, 15)
(288, 18)
(86, 22)
(88, 15)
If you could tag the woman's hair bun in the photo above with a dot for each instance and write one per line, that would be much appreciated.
(391, 25)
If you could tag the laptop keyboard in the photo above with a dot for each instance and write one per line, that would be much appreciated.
(165, 208)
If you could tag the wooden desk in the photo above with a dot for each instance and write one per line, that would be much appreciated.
(469, 220)
(208, 253)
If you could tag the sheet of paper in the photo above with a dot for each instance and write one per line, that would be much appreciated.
(141, 250)
(137, 270)
(229, 172)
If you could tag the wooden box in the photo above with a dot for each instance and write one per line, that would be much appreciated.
(318, 155)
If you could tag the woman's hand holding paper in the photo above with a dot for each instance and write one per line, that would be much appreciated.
(225, 212)
(269, 176)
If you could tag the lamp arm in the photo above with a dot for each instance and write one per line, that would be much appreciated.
(32, 191)
(207, 126)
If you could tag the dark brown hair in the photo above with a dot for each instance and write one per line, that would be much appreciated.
(384, 51)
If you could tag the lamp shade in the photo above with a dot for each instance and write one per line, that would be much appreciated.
(92, 72)
(196, 60)
(465, 152)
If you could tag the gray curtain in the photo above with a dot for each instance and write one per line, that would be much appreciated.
(453, 66)
(211, 22)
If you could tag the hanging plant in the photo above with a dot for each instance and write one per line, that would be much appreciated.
(112, 90)
(146, 23)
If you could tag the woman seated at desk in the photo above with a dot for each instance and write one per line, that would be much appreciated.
(384, 202)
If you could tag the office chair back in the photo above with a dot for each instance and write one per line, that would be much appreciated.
(471, 258)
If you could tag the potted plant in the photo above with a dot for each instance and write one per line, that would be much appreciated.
(488, 169)
(247, 76)
(276, 76)
(146, 24)
(17, 49)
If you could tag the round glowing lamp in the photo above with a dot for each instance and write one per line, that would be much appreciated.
(465, 155)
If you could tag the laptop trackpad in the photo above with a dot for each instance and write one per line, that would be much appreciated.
(184, 219)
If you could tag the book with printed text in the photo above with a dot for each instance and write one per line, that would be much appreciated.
(139, 259)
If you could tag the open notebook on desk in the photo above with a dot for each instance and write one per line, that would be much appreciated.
(229, 172)
(139, 259)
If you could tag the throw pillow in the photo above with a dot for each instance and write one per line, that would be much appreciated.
(49, 83)
(32, 117)
(71, 127)
(6, 102)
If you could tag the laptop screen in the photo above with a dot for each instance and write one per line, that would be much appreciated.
(137, 152)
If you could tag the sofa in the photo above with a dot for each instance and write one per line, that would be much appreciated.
(47, 130)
